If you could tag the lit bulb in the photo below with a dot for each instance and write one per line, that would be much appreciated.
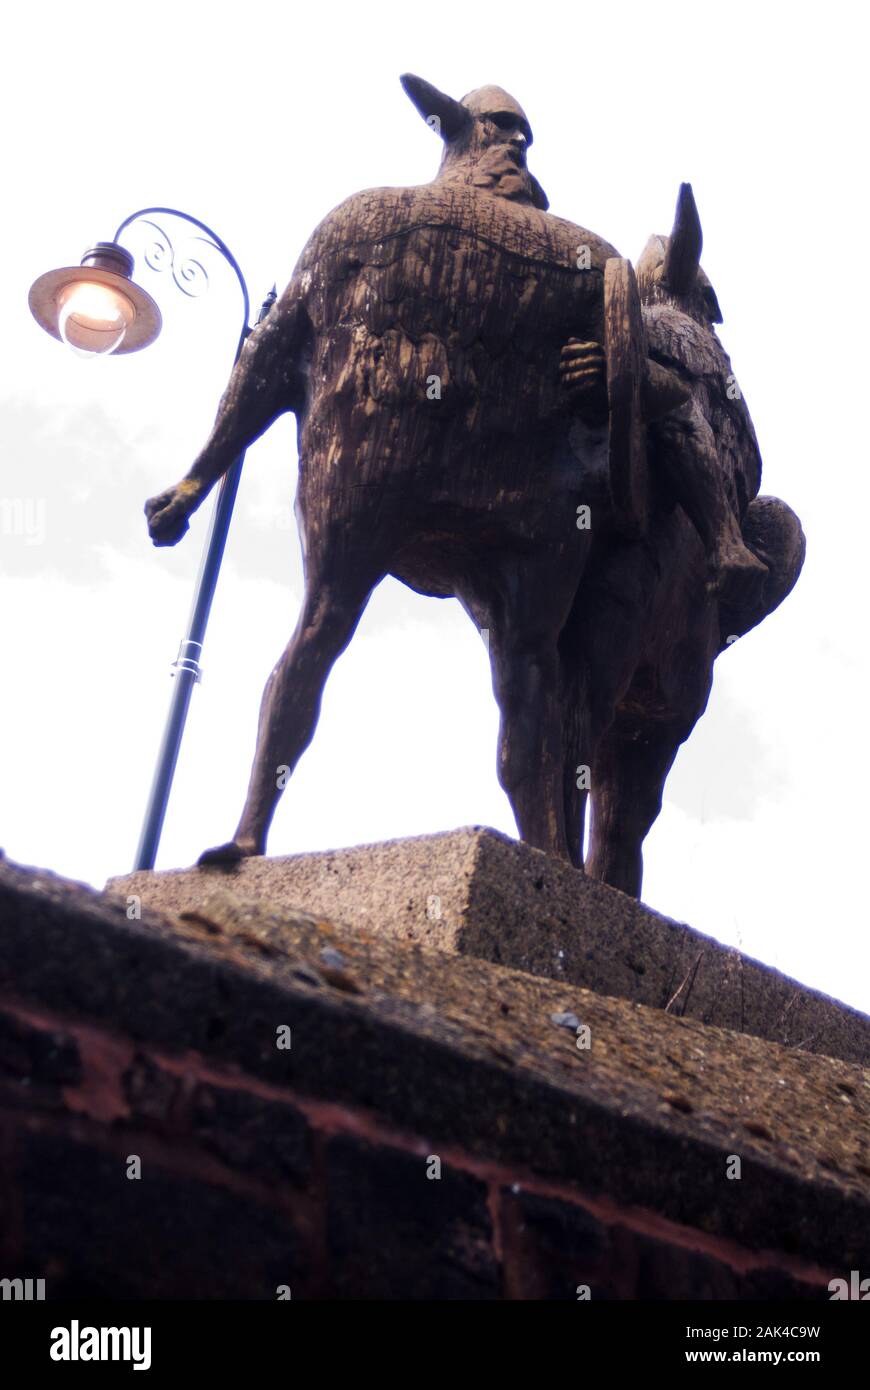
(93, 318)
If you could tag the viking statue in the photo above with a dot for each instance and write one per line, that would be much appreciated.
(474, 397)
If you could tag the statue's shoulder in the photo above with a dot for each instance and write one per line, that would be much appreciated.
(577, 237)
(377, 217)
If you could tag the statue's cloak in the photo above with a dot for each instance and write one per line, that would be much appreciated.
(436, 317)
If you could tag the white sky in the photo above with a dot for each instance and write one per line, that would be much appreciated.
(260, 118)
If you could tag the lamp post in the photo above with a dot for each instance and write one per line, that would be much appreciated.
(97, 309)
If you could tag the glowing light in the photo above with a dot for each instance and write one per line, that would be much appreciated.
(93, 318)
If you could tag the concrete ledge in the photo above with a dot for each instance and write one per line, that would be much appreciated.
(474, 892)
(606, 1165)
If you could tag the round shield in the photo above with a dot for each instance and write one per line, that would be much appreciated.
(625, 351)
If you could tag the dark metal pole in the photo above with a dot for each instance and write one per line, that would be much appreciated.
(186, 669)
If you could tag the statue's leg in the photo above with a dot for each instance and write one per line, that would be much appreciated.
(576, 778)
(631, 767)
(530, 745)
(686, 453)
(600, 648)
(525, 671)
(335, 597)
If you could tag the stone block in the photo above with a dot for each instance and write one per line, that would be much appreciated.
(474, 892)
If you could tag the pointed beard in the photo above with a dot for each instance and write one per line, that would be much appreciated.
(493, 169)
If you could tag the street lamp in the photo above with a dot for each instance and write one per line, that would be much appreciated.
(97, 309)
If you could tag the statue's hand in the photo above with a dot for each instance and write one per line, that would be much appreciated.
(169, 511)
(583, 373)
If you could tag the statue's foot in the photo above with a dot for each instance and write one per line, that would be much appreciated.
(230, 853)
(739, 577)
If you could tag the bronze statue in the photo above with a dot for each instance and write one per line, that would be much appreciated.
(480, 414)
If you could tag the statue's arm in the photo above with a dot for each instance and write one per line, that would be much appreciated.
(583, 374)
(268, 380)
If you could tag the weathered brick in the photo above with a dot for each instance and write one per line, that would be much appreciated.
(42, 1055)
(665, 1270)
(551, 1247)
(264, 1137)
(92, 1232)
(150, 1090)
(772, 1283)
(394, 1233)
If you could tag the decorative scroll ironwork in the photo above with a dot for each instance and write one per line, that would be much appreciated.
(188, 272)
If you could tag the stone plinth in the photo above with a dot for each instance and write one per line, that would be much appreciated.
(475, 892)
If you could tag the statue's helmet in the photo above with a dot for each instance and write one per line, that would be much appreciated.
(452, 118)
(495, 102)
(669, 267)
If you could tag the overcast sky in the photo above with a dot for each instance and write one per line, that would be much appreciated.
(260, 118)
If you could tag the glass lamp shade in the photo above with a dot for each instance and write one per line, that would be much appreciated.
(93, 319)
(96, 308)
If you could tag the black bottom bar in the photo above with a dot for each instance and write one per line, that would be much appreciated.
(238, 1338)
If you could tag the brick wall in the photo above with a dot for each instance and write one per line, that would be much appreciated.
(245, 1187)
